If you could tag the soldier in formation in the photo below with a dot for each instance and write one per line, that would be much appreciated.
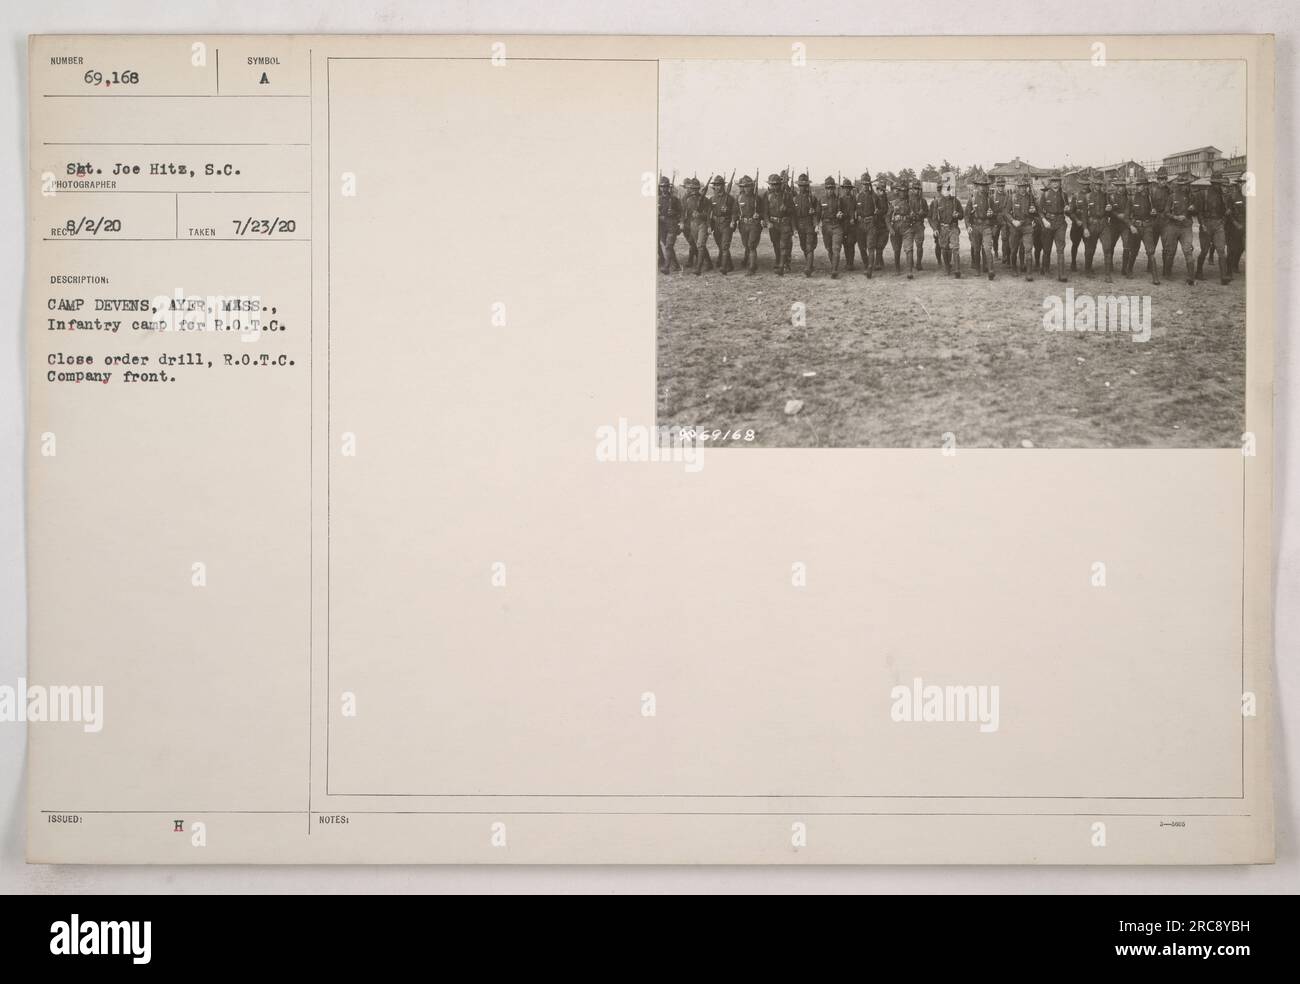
(1053, 213)
(778, 212)
(1114, 224)
(1179, 212)
(1216, 214)
(807, 210)
(670, 226)
(864, 218)
(982, 223)
(946, 214)
(835, 215)
(1022, 213)
(1145, 215)
(1156, 217)
(723, 222)
(1237, 228)
(749, 222)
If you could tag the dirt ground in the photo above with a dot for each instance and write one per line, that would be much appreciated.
(891, 362)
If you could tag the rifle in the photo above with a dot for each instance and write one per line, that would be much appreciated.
(704, 197)
(672, 188)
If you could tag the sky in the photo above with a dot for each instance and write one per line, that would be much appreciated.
(846, 115)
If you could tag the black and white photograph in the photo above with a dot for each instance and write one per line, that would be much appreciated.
(981, 254)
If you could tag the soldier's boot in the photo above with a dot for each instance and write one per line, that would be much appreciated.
(988, 262)
(1060, 267)
(947, 261)
(673, 265)
(898, 259)
(848, 257)
(920, 255)
(956, 263)
(909, 264)
(1187, 268)
(1029, 273)
(1169, 266)
(807, 264)
(1224, 277)
(1110, 268)
(835, 266)
(1153, 269)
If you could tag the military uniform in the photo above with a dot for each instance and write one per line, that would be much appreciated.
(723, 223)
(1022, 213)
(1001, 241)
(670, 224)
(864, 219)
(946, 214)
(880, 234)
(835, 214)
(778, 213)
(902, 226)
(690, 199)
(1115, 225)
(920, 212)
(1160, 202)
(850, 227)
(1143, 213)
(1076, 225)
(1179, 212)
(749, 222)
(806, 213)
(699, 213)
(1237, 227)
(1215, 212)
(1053, 211)
(1092, 209)
(982, 220)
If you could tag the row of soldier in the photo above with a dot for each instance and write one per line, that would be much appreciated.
(1023, 227)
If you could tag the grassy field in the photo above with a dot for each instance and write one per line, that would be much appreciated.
(891, 362)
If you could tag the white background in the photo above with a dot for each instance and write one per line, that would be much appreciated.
(776, 17)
